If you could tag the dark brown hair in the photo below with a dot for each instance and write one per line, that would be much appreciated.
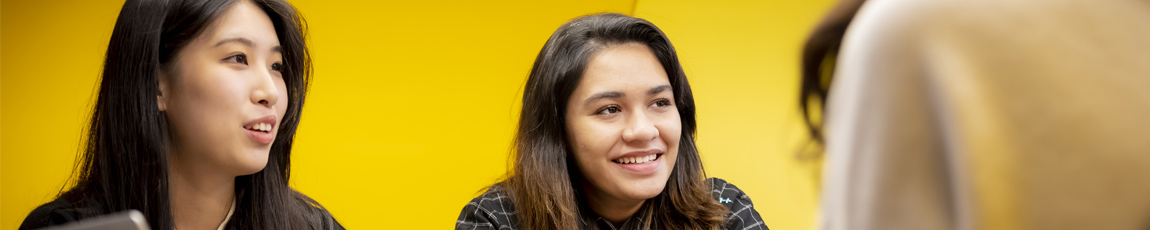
(818, 61)
(543, 178)
(124, 164)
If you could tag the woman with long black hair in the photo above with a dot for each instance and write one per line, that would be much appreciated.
(606, 140)
(193, 124)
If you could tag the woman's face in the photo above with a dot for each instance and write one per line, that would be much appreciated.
(224, 94)
(623, 125)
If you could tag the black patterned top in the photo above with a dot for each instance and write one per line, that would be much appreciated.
(495, 210)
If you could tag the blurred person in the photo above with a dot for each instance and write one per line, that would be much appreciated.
(980, 114)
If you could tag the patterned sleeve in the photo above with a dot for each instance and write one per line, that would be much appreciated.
(743, 215)
(492, 210)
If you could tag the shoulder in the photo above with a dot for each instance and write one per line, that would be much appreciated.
(727, 193)
(494, 209)
(743, 214)
(59, 211)
(317, 215)
(910, 17)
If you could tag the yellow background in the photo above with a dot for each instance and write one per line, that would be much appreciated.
(413, 103)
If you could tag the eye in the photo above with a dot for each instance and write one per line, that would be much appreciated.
(238, 58)
(661, 103)
(278, 67)
(611, 109)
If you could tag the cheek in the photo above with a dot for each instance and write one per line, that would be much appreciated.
(671, 129)
(590, 142)
(282, 102)
(204, 107)
(206, 96)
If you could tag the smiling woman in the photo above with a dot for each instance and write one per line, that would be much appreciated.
(193, 126)
(606, 140)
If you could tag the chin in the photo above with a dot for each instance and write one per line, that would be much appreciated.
(251, 170)
(647, 189)
(252, 163)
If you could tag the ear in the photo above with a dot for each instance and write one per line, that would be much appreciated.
(162, 94)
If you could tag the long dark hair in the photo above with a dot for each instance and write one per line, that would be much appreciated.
(124, 164)
(544, 177)
(818, 61)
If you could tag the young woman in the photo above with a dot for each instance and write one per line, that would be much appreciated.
(606, 140)
(193, 124)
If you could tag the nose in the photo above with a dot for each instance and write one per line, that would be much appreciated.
(640, 128)
(264, 90)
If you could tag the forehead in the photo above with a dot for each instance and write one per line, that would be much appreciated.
(243, 20)
(624, 67)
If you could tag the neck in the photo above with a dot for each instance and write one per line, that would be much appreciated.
(613, 209)
(200, 197)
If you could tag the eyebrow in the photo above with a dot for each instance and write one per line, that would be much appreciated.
(246, 42)
(243, 41)
(658, 89)
(603, 95)
(615, 94)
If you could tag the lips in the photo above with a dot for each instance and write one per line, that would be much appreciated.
(261, 129)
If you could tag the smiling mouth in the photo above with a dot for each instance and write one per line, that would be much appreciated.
(259, 127)
(638, 160)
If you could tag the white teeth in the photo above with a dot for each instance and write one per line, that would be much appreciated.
(260, 127)
(637, 160)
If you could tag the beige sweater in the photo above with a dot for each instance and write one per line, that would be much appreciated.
(991, 114)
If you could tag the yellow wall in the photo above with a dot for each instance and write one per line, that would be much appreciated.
(414, 103)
